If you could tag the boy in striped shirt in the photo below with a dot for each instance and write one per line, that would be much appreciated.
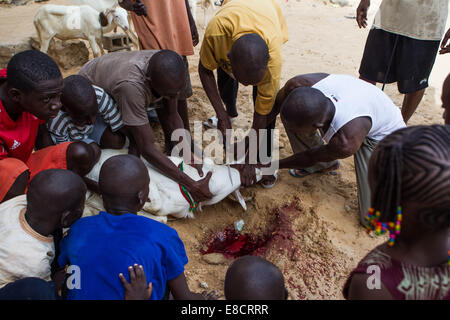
(88, 114)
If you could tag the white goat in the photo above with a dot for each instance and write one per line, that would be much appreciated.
(165, 196)
(205, 4)
(76, 22)
(103, 6)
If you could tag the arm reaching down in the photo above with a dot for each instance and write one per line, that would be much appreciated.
(143, 137)
(344, 143)
(209, 85)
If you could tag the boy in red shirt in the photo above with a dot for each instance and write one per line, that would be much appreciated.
(30, 91)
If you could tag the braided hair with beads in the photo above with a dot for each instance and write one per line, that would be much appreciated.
(411, 164)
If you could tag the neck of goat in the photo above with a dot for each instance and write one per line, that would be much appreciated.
(110, 16)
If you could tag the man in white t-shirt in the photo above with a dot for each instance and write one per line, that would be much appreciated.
(402, 45)
(351, 116)
(55, 200)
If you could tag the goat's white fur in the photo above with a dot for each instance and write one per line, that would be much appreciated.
(76, 22)
(102, 6)
(165, 196)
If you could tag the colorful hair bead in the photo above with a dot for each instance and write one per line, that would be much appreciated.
(382, 227)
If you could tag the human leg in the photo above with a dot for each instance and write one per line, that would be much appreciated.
(410, 103)
(228, 89)
(185, 93)
(361, 159)
(378, 51)
(183, 112)
(415, 62)
(163, 117)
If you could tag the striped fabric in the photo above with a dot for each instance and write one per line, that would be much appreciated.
(108, 109)
(62, 128)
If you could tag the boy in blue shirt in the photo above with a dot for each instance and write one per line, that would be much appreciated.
(103, 246)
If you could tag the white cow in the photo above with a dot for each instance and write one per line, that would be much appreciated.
(76, 22)
(165, 195)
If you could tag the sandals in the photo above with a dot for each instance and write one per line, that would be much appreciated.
(301, 173)
(212, 122)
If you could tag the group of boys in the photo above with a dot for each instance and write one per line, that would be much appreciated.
(68, 121)
(34, 257)
(44, 192)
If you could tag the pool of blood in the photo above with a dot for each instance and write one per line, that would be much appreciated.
(233, 244)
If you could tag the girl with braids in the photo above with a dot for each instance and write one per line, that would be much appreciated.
(409, 176)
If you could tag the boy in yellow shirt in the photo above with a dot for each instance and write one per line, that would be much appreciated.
(243, 42)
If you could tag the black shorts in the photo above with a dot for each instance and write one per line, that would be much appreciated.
(412, 60)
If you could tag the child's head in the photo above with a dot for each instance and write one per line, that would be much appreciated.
(166, 73)
(411, 168)
(34, 83)
(254, 278)
(79, 100)
(124, 184)
(55, 199)
(249, 57)
(446, 99)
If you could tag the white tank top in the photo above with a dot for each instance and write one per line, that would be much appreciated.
(355, 98)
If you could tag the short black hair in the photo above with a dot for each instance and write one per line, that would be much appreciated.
(122, 175)
(57, 189)
(251, 50)
(27, 68)
(254, 278)
(78, 93)
(167, 64)
(304, 105)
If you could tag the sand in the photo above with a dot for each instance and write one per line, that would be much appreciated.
(318, 239)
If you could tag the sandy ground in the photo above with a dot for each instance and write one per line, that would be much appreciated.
(316, 236)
